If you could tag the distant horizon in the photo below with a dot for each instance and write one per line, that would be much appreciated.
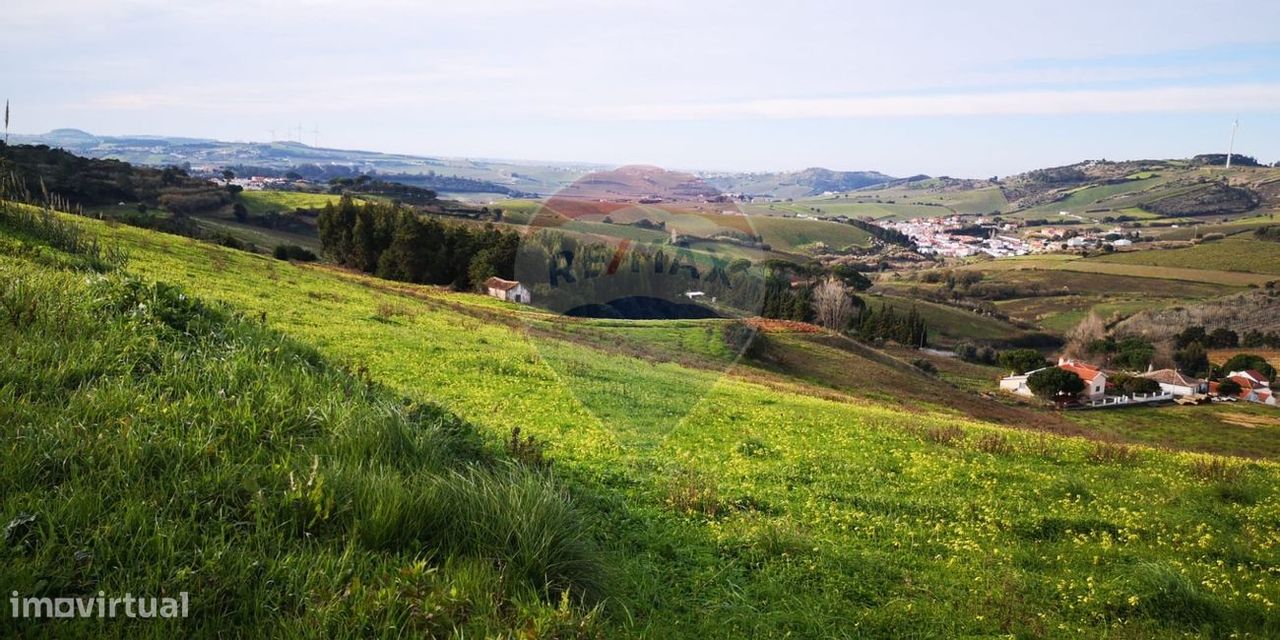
(585, 163)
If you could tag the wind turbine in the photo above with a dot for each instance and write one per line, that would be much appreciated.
(1235, 124)
(315, 136)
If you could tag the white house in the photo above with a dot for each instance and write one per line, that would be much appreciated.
(1176, 384)
(1095, 380)
(1254, 387)
(509, 290)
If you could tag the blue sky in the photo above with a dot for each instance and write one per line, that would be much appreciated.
(945, 88)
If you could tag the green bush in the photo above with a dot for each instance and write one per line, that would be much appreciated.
(1055, 383)
(293, 252)
(1020, 361)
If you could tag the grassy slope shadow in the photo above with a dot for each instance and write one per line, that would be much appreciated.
(155, 445)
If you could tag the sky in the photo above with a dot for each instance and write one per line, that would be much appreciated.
(967, 89)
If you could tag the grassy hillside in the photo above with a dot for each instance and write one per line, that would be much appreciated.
(1132, 268)
(794, 234)
(262, 202)
(157, 444)
(902, 202)
(1231, 254)
(725, 500)
(950, 324)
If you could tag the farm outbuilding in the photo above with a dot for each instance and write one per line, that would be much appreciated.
(509, 290)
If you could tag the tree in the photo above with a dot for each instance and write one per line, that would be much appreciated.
(1223, 338)
(228, 175)
(1246, 361)
(1229, 388)
(1020, 361)
(1055, 383)
(851, 277)
(1192, 359)
(1130, 385)
(240, 211)
(1133, 354)
(1189, 335)
(832, 305)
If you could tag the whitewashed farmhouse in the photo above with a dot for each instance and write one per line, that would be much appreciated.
(509, 290)
(1176, 384)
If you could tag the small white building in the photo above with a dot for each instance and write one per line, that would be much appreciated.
(1176, 384)
(1095, 380)
(509, 290)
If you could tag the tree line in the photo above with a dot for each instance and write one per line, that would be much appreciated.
(394, 242)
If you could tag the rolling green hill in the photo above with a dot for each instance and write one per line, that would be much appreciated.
(1242, 254)
(724, 500)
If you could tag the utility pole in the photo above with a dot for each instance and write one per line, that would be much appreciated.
(6, 122)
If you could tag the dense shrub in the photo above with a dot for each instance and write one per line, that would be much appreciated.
(293, 252)
(1055, 383)
(925, 365)
(980, 354)
(1022, 360)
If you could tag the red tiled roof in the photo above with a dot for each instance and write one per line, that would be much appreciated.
(1244, 382)
(1086, 372)
(1171, 376)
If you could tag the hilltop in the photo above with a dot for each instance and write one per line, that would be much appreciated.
(796, 184)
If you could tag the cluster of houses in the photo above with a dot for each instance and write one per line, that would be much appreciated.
(937, 236)
(1254, 387)
(941, 237)
(1063, 239)
(1174, 386)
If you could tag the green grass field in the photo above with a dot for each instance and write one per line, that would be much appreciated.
(723, 500)
(793, 234)
(1135, 268)
(908, 203)
(1231, 254)
(1101, 196)
(852, 208)
(263, 202)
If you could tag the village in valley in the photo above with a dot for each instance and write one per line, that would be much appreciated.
(964, 236)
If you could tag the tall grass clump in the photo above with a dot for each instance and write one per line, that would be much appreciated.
(44, 224)
(156, 444)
